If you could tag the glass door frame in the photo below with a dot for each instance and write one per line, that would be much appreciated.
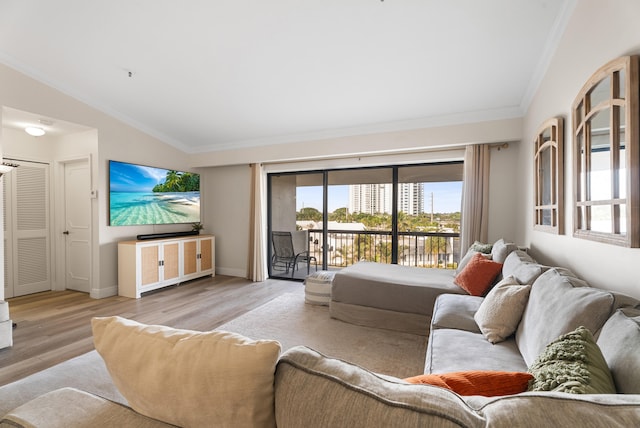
(325, 205)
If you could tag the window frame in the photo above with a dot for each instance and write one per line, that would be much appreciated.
(627, 234)
(555, 144)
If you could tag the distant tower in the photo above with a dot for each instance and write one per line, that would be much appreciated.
(378, 198)
(411, 198)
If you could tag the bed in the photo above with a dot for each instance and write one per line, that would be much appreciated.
(398, 297)
(389, 296)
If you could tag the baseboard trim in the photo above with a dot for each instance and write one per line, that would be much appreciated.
(231, 272)
(101, 293)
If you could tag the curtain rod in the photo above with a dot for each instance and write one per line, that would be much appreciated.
(499, 146)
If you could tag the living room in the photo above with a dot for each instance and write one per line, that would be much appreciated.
(511, 177)
(589, 34)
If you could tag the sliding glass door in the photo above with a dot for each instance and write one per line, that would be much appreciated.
(429, 205)
(393, 214)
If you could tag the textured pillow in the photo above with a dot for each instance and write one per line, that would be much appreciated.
(477, 382)
(478, 275)
(572, 363)
(189, 378)
(481, 247)
(500, 312)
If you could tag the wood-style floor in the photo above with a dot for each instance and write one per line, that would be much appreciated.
(55, 326)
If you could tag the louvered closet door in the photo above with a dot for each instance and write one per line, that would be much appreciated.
(27, 246)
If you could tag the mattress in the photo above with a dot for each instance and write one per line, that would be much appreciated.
(393, 287)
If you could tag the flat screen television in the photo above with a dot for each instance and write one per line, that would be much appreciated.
(141, 195)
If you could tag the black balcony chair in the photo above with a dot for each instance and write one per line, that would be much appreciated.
(285, 256)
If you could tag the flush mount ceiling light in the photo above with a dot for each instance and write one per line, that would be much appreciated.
(34, 131)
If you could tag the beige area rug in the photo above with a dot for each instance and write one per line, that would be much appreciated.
(292, 322)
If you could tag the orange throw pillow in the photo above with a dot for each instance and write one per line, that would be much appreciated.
(478, 275)
(477, 382)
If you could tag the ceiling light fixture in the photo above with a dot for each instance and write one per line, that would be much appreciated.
(34, 131)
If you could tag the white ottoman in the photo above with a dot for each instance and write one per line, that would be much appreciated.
(317, 288)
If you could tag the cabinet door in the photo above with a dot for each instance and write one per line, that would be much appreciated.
(171, 261)
(150, 264)
(190, 251)
(206, 252)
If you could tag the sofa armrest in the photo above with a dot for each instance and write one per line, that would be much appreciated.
(70, 407)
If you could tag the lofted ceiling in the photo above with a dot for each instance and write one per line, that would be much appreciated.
(208, 75)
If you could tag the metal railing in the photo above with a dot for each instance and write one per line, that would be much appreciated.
(423, 249)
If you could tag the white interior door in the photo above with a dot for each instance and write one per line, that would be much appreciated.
(77, 191)
(27, 234)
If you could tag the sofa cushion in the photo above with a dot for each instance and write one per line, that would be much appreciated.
(456, 311)
(559, 303)
(478, 275)
(499, 314)
(522, 266)
(501, 250)
(513, 260)
(467, 258)
(70, 407)
(453, 350)
(313, 390)
(190, 378)
(619, 342)
(477, 382)
(550, 409)
(572, 363)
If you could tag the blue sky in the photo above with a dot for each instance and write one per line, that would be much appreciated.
(127, 177)
(447, 197)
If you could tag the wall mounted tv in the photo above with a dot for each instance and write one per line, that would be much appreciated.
(140, 195)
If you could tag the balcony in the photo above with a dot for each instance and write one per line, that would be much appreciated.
(421, 249)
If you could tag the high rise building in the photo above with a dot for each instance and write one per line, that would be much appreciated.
(411, 198)
(378, 198)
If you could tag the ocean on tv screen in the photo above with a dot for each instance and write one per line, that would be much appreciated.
(140, 195)
(138, 208)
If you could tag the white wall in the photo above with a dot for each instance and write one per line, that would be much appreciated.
(116, 140)
(597, 32)
(226, 203)
(227, 196)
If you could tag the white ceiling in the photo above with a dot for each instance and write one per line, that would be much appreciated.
(221, 74)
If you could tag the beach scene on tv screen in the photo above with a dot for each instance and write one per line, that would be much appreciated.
(141, 194)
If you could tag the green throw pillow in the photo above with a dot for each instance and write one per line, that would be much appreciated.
(572, 363)
(481, 248)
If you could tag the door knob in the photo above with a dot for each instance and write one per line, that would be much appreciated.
(66, 232)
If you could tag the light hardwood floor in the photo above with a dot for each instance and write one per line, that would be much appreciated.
(55, 326)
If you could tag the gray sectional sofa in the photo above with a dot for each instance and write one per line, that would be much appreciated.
(314, 390)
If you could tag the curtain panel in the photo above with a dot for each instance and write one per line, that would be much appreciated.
(475, 196)
(257, 270)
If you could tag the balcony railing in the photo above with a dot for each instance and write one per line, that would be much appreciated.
(423, 249)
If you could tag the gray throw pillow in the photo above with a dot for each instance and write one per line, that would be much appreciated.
(501, 250)
(619, 341)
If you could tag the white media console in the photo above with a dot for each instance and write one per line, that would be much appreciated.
(149, 264)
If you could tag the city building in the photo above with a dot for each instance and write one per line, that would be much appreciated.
(378, 198)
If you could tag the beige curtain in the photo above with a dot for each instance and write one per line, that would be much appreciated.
(475, 196)
(257, 256)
